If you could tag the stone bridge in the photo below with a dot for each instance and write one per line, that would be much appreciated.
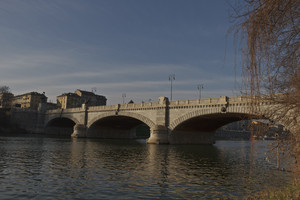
(174, 122)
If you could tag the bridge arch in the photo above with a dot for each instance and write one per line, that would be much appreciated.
(199, 126)
(125, 125)
(60, 126)
(137, 116)
(51, 118)
(224, 117)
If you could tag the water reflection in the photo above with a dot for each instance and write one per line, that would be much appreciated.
(104, 169)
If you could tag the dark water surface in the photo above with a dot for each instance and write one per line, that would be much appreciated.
(65, 168)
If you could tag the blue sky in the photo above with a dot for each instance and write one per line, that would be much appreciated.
(117, 46)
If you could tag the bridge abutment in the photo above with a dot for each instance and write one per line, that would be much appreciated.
(158, 135)
(79, 131)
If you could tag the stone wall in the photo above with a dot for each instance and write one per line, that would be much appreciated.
(29, 120)
(16, 122)
(4, 120)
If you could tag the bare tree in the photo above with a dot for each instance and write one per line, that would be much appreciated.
(4, 89)
(269, 34)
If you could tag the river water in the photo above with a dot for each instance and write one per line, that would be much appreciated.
(35, 167)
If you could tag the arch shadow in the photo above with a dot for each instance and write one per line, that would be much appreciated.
(60, 126)
(199, 128)
(118, 127)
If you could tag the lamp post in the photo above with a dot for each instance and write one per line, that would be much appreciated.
(171, 78)
(123, 96)
(200, 87)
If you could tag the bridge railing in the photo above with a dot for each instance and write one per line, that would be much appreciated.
(124, 106)
(224, 100)
(239, 99)
(231, 101)
(107, 107)
(59, 110)
(139, 105)
(220, 100)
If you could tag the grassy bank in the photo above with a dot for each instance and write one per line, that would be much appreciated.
(291, 192)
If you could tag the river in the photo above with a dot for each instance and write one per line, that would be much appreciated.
(36, 167)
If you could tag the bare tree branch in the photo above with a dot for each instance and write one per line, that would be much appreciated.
(269, 33)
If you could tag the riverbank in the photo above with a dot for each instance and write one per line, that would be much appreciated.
(11, 130)
(289, 192)
(6, 124)
(6, 128)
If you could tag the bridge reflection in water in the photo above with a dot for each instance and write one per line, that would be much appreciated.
(174, 122)
(186, 171)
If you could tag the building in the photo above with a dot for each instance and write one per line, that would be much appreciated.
(6, 100)
(68, 100)
(29, 100)
(90, 98)
(51, 106)
(73, 100)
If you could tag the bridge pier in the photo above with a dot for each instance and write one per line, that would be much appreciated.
(79, 131)
(158, 135)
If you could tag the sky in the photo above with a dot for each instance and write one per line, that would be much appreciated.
(116, 47)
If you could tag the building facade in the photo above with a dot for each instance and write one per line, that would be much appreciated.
(29, 100)
(68, 100)
(51, 106)
(90, 98)
(73, 100)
